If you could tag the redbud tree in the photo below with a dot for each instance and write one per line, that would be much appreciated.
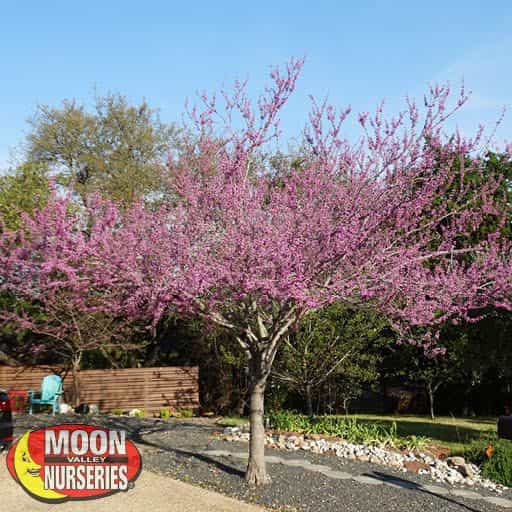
(387, 221)
(60, 289)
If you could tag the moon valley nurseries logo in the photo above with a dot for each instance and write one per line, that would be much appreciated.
(73, 462)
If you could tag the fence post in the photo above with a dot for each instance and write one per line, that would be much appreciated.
(146, 386)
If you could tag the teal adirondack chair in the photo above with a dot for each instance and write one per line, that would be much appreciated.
(51, 390)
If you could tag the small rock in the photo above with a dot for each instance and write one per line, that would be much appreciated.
(304, 445)
(455, 461)
(314, 437)
(415, 466)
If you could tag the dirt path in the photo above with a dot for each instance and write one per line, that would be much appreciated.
(154, 493)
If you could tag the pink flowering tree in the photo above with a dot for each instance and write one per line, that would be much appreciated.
(62, 292)
(385, 221)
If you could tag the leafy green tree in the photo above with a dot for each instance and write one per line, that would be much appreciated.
(22, 191)
(488, 362)
(337, 345)
(115, 147)
(434, 370)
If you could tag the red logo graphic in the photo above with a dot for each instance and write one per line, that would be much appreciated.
(74, 462)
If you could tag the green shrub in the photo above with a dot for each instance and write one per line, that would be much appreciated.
(139, 414)
(117, 412)
(288, 421)
(348, 429)
(187, 413)
(413, 443)
(498, 466)
(165, 414)
(475, 452)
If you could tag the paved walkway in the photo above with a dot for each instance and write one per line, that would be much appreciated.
(369, 479)
(154, 493)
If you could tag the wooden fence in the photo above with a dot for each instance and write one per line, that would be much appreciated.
(149, 389)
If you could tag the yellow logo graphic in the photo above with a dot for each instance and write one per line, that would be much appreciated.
(29, 472)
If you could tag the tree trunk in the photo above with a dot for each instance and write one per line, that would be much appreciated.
(430, 393)
(309, 401)
(261, 350)
(256, 474)
(345, 405)
(240, 406)
(75, 369)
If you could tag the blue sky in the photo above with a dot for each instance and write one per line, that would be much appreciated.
(357, 53)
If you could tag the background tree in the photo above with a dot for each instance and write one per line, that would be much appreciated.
(487, 364)
(223, 384)
(436, 371)
(115, 148)
(22, 191)
(336, 344)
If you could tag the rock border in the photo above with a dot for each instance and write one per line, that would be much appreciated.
(451, 471)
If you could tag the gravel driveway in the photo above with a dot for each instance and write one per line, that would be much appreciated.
(188, 450)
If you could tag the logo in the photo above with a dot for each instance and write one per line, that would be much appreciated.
(73, 462)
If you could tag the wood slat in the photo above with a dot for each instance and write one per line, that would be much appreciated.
(148, 389)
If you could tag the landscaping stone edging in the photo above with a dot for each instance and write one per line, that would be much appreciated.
(452, 470)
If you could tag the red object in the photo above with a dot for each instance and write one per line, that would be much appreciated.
(18, 400)
(5, 405)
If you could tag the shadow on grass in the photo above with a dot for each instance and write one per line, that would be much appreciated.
(487, 421)
(440, 432)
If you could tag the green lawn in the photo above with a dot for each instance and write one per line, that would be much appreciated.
(232, 421)
(450, 432)
(454, 433)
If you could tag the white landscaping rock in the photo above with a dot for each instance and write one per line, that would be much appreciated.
(452, 471)
(65, 408)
